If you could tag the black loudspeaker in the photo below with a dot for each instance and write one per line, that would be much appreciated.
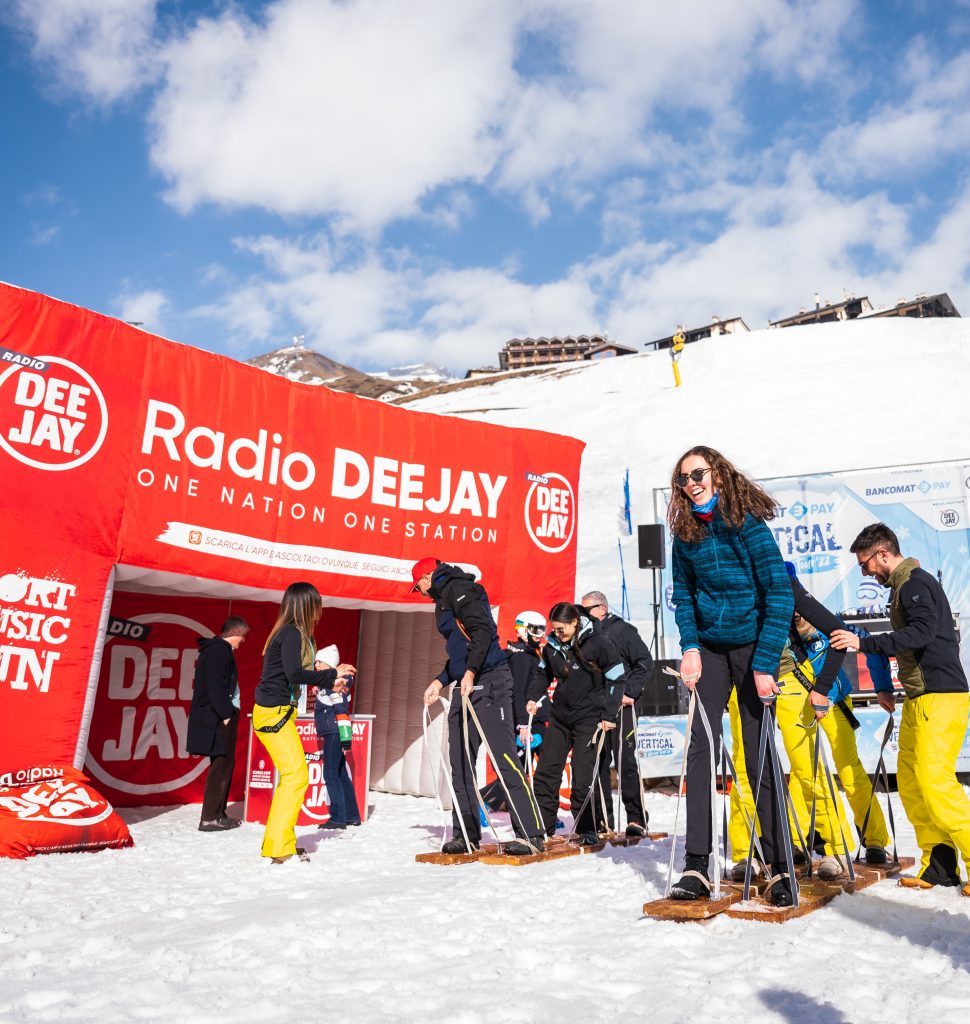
(662, 694)
(651, 546)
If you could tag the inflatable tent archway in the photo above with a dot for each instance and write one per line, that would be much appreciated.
(136, 464)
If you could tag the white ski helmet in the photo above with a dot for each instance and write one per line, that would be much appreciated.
(529, 625)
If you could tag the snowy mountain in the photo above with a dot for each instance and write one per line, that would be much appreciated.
(302, 364)
(297, 363)
(813, 399)
(419, 371)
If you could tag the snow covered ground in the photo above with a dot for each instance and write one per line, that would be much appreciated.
(197, 927)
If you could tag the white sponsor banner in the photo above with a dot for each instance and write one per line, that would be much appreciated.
(273, 553)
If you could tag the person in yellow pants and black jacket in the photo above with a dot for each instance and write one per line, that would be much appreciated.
(811, 682)
(287, 665)
(934, 718)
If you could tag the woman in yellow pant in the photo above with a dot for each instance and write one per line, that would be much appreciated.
(287, 665)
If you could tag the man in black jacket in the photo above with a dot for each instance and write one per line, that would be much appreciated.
(214, 719)
(475, 660)
(638, 665)
(934, 720)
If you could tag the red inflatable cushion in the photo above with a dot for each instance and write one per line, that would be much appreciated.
(54, 809)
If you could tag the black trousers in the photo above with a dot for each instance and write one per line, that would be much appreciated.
(493, 706)
(561, 737)
(629, 770)
(722, 668)
(219, 775)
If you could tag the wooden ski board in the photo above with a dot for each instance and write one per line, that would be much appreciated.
(812, 895)
(559, 842)
(556, 853)
(694, 910)
(869, 874)
(865, 874)
(616, 839)
(454, 858)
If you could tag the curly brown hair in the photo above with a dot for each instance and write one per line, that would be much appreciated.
(737, 496)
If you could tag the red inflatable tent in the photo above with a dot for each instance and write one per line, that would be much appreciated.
(148, 487)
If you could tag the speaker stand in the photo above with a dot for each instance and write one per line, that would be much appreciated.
(656, 617)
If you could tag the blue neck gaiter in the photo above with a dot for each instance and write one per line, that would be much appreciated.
(707, 507)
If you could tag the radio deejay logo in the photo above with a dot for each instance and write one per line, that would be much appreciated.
(53, 419)
(137, 742)
(550, 511)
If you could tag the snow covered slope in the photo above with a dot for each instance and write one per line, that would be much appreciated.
(811, 399)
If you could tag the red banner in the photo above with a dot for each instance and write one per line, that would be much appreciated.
(120, 447)
(136, 749)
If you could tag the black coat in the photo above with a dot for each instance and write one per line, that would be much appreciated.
(215, 683)
(524, 660)
(589, 687)
(464, 619)
(634, 652)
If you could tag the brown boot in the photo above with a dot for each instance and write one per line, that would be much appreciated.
(915, 882)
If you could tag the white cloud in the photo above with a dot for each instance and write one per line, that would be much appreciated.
(354, 109)
(779, 245)
(99, 48)
(922, 129)
(362, 110)
(145, 308)
(43, 234)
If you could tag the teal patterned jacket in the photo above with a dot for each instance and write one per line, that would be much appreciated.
(732, 588)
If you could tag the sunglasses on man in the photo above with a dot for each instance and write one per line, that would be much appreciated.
(697, 475)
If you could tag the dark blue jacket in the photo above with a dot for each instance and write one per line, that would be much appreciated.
(328, 706)
(732, 588)
(464, 618)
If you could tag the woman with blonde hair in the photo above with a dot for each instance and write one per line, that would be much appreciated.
(288, 657)
(734, 606)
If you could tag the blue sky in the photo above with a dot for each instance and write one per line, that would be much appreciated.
(402, 182)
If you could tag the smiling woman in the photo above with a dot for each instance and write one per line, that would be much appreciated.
(733, 608)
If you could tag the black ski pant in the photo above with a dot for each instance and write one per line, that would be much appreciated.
(629, 769)
(219, 776)
(493, 706)
(723, 667)
(493, 794)
(561, 737)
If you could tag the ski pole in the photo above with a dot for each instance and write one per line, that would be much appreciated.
(778, 782)
(456, 809)
(833, 793)
(513, 810)
(692, 704)
(716, 873)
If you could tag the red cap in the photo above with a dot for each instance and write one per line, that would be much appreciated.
(422, 568)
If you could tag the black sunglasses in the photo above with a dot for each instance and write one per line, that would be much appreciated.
(697, 475)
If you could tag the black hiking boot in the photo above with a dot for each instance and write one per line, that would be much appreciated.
(695, 882)
(635, 830)
(457, 845)
(521, 848)
(876, 856)
(943, 868)
(781, 894)
(589, 839)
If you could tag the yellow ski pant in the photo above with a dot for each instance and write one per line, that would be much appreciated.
(286, 750)
(930, 736)
(793, 711)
